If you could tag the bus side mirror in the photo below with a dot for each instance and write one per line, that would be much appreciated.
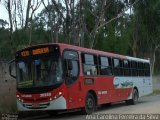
(12, 70)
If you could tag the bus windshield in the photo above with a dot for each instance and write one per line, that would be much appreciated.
(39, 72)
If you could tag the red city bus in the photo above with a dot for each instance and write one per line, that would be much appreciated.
(55, 77)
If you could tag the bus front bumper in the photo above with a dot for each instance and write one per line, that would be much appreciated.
(57, 104)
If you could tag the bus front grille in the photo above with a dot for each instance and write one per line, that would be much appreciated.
(36, 106)
(35, 100)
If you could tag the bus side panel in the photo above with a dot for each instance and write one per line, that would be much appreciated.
(105, 89)
(102, 86)
(76, 93)
(144, 85)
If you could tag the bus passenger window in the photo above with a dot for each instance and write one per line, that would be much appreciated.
(147, 69)
(140, 69)
(126, 68)
(117, 67)
(90, 70)
(105, 66)
(134, 68)
(89, 64)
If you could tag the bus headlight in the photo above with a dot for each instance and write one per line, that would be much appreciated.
(21, 100)
(58, 95)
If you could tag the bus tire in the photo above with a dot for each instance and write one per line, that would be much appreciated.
(134, 99)
(90, 104)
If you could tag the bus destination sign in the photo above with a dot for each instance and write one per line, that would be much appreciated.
(38, 51)
(25, 53)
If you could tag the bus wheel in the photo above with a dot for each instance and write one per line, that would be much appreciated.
(134, 99)
(89, 104)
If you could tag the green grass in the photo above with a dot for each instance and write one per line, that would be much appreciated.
(156, 92)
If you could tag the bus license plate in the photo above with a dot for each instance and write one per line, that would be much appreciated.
(36, 105)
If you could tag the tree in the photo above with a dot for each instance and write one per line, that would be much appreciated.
(3, 23)
(54, 18)
(148, 39)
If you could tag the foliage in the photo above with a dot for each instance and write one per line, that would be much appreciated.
(147, 24)
(78, 22)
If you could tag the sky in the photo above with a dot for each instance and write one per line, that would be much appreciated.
(4, 13)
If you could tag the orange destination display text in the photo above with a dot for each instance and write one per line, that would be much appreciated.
(40, 51)
(25, 53)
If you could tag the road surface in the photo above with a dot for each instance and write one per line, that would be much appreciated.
(147, 106)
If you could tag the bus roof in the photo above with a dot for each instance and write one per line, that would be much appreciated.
(103, 53)
(88, 50)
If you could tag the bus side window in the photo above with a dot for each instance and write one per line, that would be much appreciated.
(140, 69)
(147, 69)
(126, 67)
(89, 64)
(105, 66)
(117, 66)
(71, 64)
(134, 68)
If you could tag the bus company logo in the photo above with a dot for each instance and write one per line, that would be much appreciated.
(122, 83)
